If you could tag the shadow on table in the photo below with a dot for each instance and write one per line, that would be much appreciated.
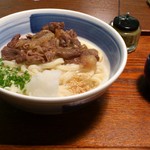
(21, 128)
(143, 88)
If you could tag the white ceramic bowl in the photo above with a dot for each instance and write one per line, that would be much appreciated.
(86, 26)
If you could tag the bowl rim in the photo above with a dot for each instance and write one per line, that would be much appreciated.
(76, 97)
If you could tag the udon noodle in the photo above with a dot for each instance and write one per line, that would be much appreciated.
(57, 78)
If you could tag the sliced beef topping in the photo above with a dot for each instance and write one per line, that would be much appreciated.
(10, 53)
(91, 52)
(14, 41)
(50, 43)
(52, 26)
(50, 55)
(68, 53)
(67, 38)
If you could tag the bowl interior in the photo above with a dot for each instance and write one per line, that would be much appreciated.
(86, 26)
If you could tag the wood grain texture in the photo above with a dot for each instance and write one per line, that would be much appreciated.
(101, 9)
(120, 119)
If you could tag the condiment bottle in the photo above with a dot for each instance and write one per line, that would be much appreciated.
(129, 28)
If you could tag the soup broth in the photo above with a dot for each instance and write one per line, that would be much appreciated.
(60, 76)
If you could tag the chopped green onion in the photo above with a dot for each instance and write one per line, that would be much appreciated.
(10, 76)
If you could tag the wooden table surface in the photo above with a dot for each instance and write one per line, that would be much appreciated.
(120, 119)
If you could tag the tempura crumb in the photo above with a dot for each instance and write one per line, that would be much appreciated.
(80, 84)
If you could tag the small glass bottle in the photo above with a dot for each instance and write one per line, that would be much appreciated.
(129, 28)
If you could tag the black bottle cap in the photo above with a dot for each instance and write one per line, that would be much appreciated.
(126, 22)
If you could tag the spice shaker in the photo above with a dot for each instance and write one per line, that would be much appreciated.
(129, 28)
